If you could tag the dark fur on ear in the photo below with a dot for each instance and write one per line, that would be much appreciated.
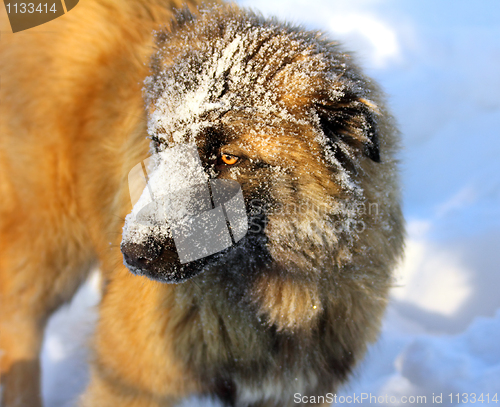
(349, 122)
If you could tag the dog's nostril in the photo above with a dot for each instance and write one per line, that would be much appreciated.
(140, 255)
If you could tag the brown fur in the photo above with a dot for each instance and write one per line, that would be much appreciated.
(73, 124)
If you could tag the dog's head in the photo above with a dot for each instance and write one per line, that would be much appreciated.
(280, 111)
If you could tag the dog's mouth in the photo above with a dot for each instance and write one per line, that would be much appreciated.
(159, 261)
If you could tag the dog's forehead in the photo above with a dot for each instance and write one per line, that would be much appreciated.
(252, 72)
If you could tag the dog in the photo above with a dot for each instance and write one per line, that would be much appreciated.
(278, 306)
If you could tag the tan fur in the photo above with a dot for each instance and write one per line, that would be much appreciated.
(73, 123)
(60, 83)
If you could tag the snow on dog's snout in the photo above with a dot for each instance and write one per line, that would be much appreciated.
(176, 203)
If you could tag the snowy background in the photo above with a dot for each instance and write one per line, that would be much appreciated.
(439, 62)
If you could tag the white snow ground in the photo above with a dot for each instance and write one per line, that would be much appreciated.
(439, 62)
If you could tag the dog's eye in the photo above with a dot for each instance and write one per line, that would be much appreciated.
(229, 159)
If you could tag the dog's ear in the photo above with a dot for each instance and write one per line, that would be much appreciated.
(350, 124)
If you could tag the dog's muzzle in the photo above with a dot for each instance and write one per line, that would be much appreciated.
(182, 218)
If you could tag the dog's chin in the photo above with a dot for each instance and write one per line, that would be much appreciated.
(166, 273)
(157, 263)
(166, 267)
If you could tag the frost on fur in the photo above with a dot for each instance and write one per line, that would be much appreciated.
(212, 76)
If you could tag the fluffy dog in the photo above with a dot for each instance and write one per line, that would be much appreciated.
(278, 318)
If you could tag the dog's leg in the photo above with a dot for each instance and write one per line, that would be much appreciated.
(41, 266)
(19, 366)
(134, 361)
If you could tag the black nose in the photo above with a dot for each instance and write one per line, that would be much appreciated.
(141, 255)
(158, 260)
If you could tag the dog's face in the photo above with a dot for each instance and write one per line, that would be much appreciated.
(279, 112)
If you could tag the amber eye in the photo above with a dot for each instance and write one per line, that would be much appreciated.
(229, 159)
